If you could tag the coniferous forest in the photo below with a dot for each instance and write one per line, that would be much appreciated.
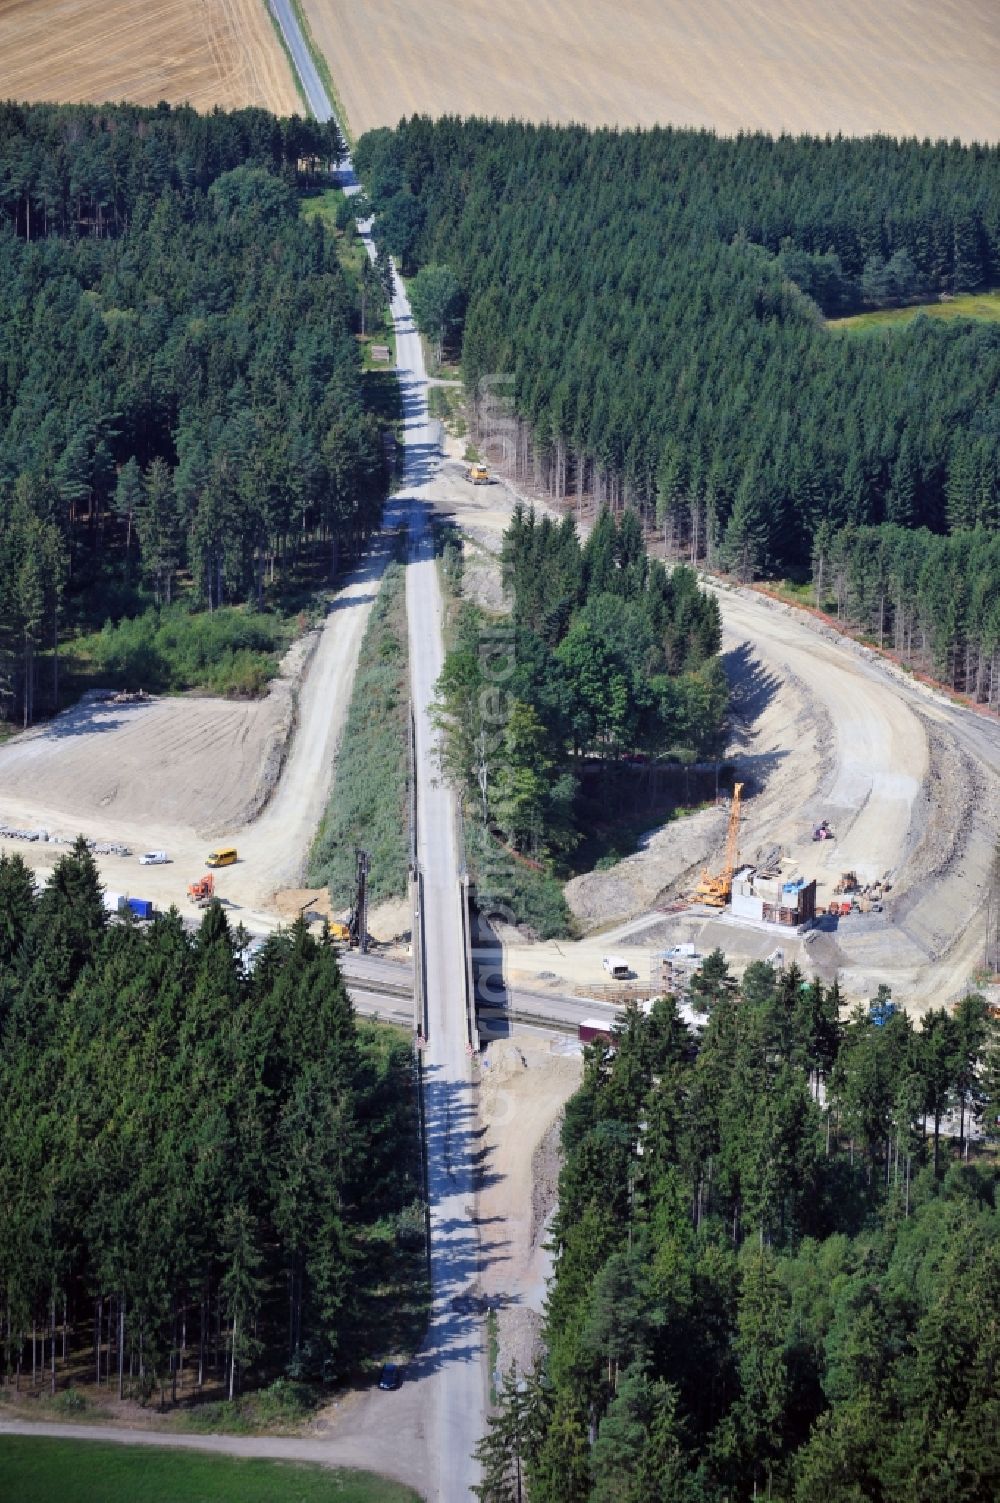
(654, 304)
(932, 599)
(209, 1171)
(774, 1276)
(611, 656)
(181, 399)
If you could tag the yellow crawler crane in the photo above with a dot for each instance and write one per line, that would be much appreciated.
(715, 891)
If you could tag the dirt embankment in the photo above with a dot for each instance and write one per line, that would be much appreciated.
(181, 774)
(210, 765)
(525, 1083)
(769, 714)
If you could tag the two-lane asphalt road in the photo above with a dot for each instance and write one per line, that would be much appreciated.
(312, 84)
(452, 1360)
(451, 1364)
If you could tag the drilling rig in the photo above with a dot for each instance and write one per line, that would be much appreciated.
(357, 924)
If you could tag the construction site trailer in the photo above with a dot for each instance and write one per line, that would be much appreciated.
(592, 1029)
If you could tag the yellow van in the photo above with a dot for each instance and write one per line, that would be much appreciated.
(226, 856)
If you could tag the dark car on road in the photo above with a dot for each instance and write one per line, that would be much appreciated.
(392, 1376)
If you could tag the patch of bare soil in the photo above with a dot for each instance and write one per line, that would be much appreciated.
(482, 583)
(182, 774)
(209, 765)
(391, 922)
(290, 902)
(634, 884)
(524, 1085)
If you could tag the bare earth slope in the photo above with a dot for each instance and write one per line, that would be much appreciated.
(904, 67)
(822, 728)
(203, 52)
(183, 774)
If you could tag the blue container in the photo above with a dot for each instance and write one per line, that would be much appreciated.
(141, 907)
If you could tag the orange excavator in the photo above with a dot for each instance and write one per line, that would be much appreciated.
(202, 891)
(715, 891)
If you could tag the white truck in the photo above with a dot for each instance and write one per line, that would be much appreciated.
(617, 967)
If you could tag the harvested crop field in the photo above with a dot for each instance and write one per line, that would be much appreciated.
(906, 67)
(203, 52)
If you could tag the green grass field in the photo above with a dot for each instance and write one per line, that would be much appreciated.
(35, 1469)
(979, 305)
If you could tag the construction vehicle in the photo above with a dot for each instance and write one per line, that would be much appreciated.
(357, 924)
(715, 891)
(224, 855)
(203, 891)
(479, 474)
(355, 931)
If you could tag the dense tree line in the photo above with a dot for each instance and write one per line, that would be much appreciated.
(770, 1275)
(204, 1167)
(608, 655)
(935, 601)
(180, 389)
(652, 301)
(77, 169)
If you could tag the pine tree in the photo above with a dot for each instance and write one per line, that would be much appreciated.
(763, 1378)
(17, 906)
(503, 1451)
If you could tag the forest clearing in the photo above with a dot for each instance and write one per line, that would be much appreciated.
(918, 69)
(982, 305)
(178, 773)
(184, 51)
